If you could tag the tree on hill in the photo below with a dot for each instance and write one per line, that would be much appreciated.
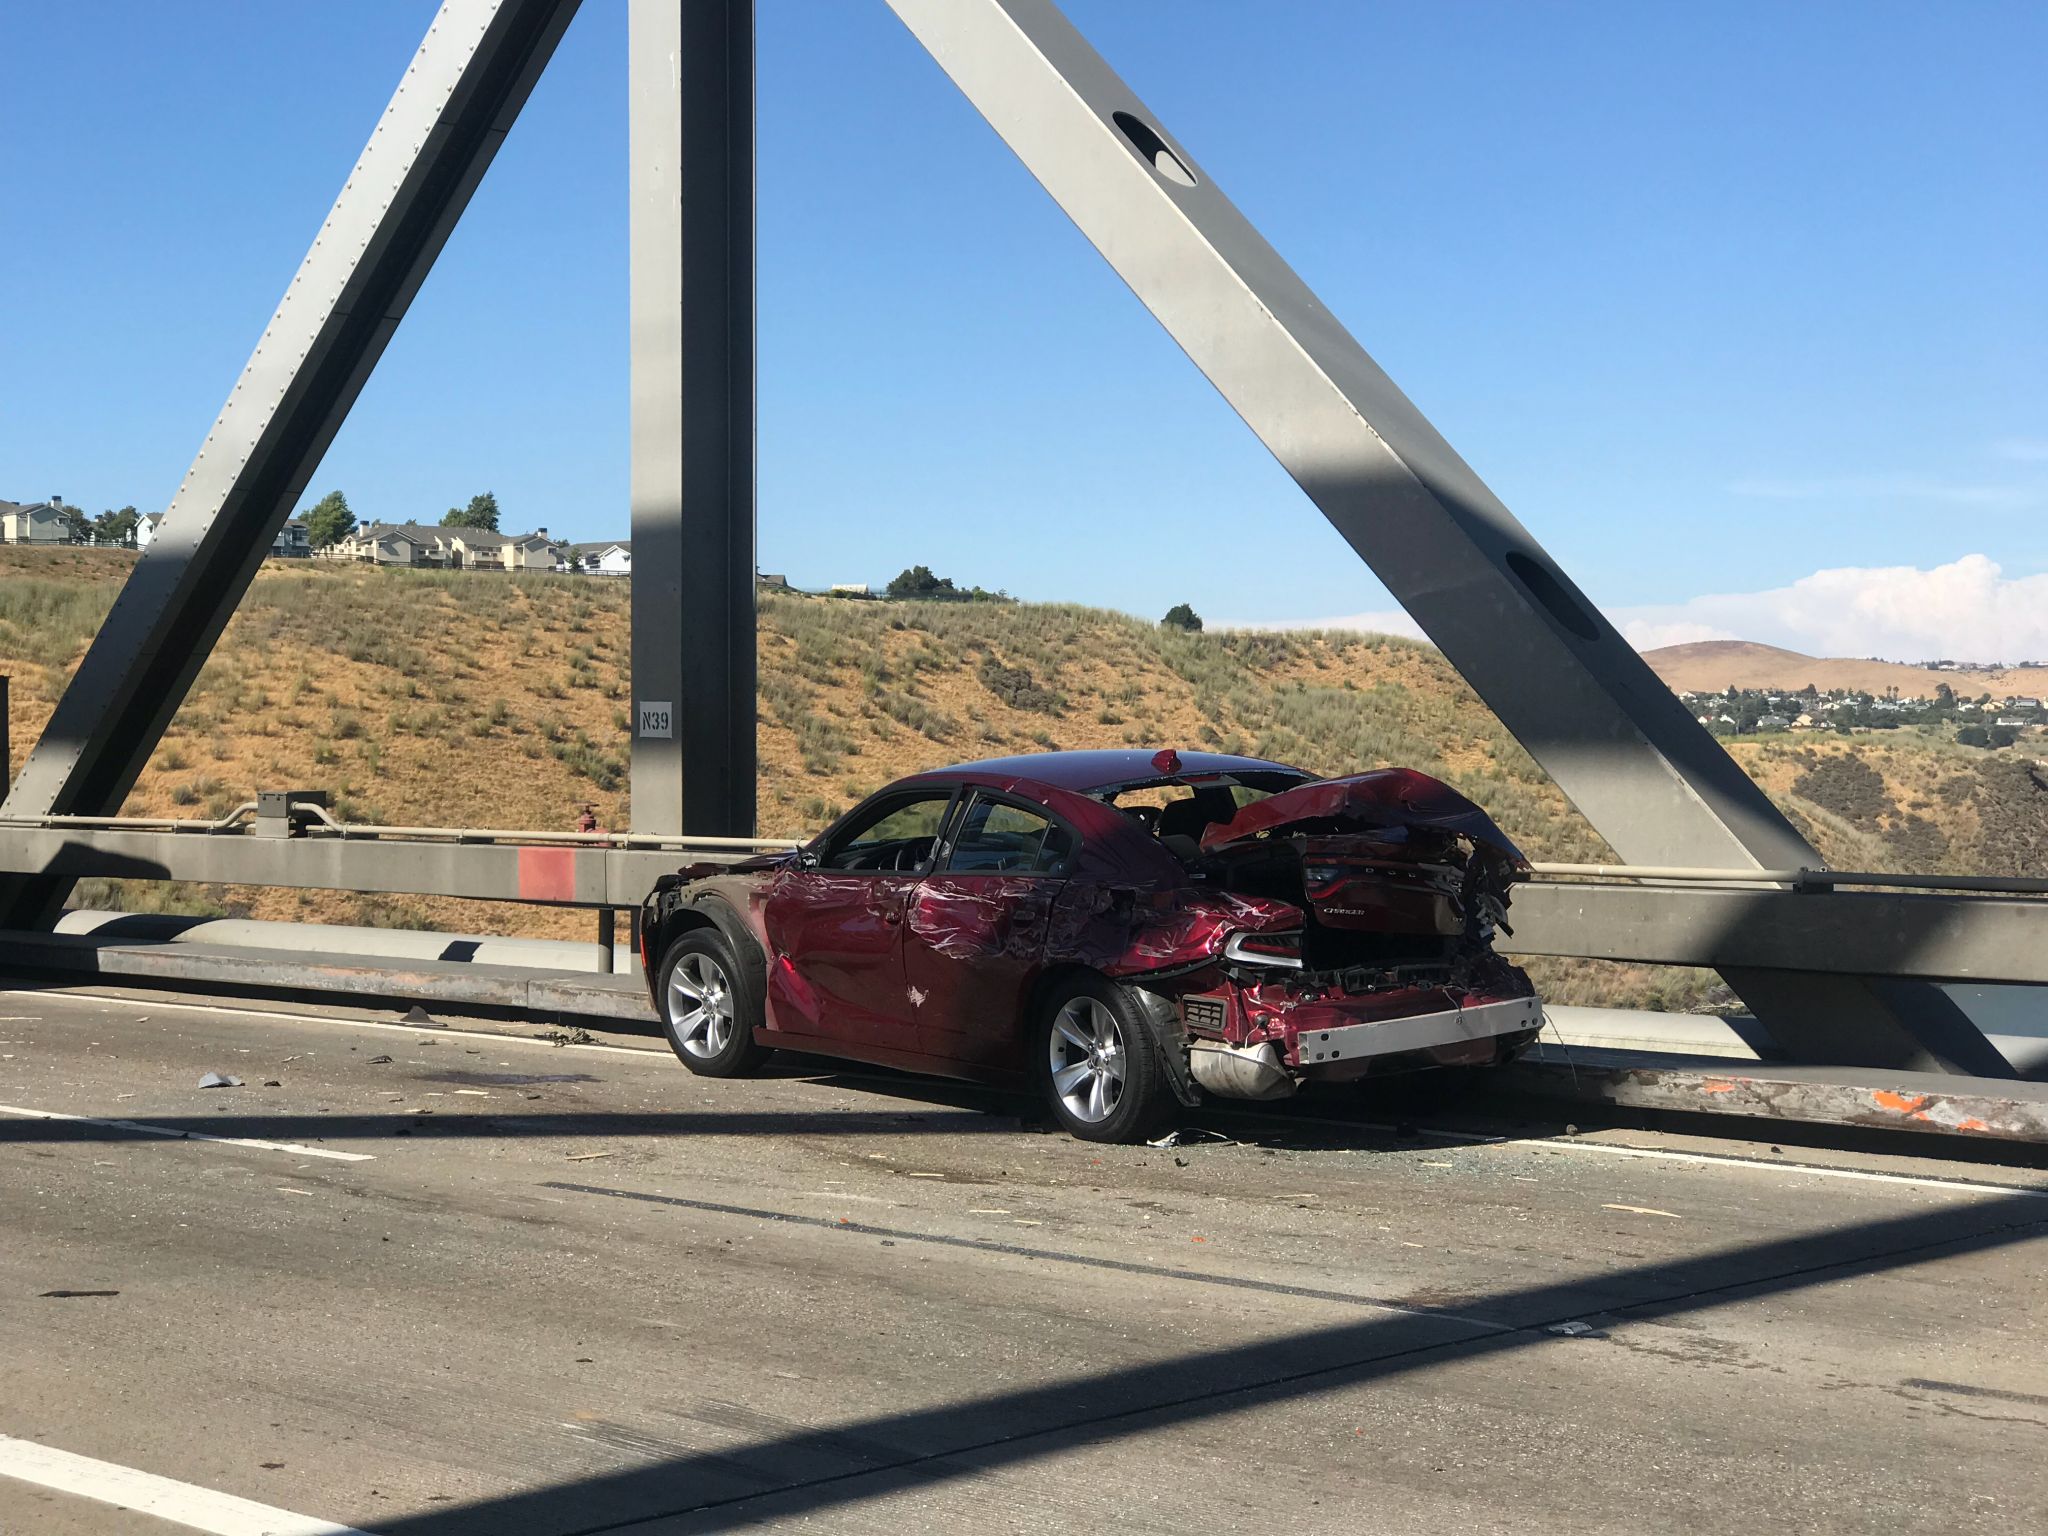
(919, 581)
(329, 521)
(1181, 616)
(116, 527)
(482, 512)
(76, 524)
(1973, 736)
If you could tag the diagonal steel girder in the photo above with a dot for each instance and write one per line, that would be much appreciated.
(451, 111)
(690, 109)
(1542, 656)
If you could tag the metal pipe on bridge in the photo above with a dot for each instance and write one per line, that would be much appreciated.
(1924, 935)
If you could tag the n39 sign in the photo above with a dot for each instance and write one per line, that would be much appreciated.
(657, 720)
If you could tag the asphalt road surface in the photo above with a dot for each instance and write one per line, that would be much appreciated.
(427, 1282)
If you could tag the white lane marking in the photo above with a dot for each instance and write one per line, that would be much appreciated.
(1460, 1138)
(186, 1504)
(1722, 1160)
(1619, 1149)
(143, 1128)
(416, 1031)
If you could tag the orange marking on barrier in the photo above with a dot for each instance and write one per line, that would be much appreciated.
(547, 874)
(1972, 1124)
(1904, 1104)
(1717, 1086)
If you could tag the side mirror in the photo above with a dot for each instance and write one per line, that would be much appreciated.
(806, 859)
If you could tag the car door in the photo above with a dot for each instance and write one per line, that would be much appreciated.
(835, 926)
(975, 930)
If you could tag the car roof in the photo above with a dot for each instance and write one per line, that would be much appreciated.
(1092, 772)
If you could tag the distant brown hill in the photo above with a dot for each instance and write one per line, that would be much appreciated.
(1708, 666)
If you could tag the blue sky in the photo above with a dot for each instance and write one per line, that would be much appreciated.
(1715, 298)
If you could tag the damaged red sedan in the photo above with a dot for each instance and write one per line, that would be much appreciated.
(1122, 931)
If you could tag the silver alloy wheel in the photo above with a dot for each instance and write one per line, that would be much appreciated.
(700, 1005)
(1087, 1050)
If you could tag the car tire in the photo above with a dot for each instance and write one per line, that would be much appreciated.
(709, 1009)
(1097, 1063)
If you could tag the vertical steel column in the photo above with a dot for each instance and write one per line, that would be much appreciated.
(692, 125)
(451, 111)
(1558, 675)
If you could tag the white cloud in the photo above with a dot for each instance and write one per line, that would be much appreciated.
(1649, 634)
(1968, 610)
(1392, 621)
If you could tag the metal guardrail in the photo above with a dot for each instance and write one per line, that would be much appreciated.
(1799, 879)
(320, 824)
(324, 825)
(1952, 928)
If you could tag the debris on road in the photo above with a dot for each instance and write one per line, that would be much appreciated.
(1191, 1135)
(420, 1016)
(1643, 1210)
(73, 1295)
(220, 1080)
(380, 1061)
(584, 1157)
(568, 1036)
(1575, 1329)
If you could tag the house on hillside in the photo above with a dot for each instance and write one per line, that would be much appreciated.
(516, 552)
(293, 542)
(771, 581)
(146, 529)
(380, 544)
(605, 557)
(433, 547)
(32, 523)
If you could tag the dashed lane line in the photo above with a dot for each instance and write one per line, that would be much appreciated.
(1426, 1133)
(144, 1128)
(657, 1050)
(186, 1504)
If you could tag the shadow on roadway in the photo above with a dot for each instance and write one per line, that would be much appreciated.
(787, 1476)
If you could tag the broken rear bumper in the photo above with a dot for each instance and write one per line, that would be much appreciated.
(1419, 1032)
(1251, 1047)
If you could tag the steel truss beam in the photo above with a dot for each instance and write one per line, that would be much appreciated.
(1558, 675)
(691, 96)
(450, 113)
(1935, 937)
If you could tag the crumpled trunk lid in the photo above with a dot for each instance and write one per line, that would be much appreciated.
(1389, 852)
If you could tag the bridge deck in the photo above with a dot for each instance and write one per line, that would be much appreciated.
(572, 1288)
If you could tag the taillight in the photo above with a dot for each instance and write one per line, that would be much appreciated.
(1281, 949)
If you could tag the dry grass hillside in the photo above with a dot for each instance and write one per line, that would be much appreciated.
(1710, 666)
(484, 700)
